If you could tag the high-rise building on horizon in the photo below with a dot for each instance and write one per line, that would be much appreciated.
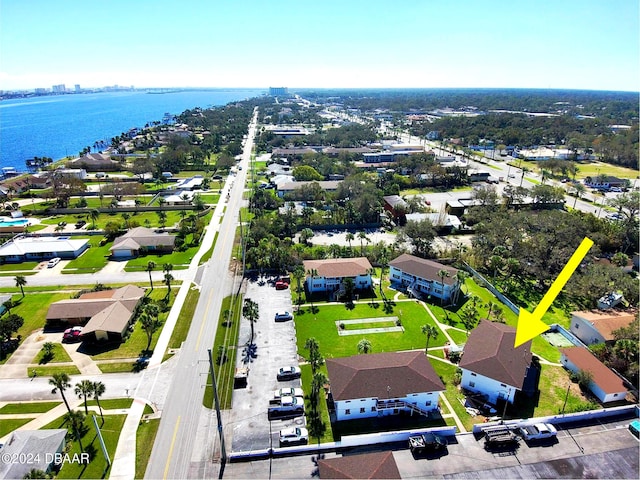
(59, 88)
(277, 91)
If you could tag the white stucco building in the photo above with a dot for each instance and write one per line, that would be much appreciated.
(420, 277)
(329, 275)
(380, 384)
(605, 384)
(493, 367)
(598, 326)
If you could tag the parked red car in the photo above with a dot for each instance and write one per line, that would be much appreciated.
(72, 334)
(280, 285)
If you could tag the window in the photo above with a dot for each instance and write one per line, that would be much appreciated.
(362, 410)
(428, 403)
(472, 384)
(347, 411)
(373, 409)
(502, 385)
(473, 374)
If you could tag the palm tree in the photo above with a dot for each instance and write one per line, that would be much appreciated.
(168, 278)
(150, 266)
(318, 382)
(250, 312)
(579, 189)
(442, 274)
(350, 238)
(162, 218)
(61, 381)
(97, 391)
(94, 214)
(362, 236)
(150, 323)
(431, 332)
(315, 357)
(364, 346)
(84, 390)
(21, 281)
(460, 276)
(126, 217)
(75, 419)
(298, 275)
(35, 473)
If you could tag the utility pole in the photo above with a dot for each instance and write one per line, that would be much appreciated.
(223, 451)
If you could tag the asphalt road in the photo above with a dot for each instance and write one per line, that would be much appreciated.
(182, 449)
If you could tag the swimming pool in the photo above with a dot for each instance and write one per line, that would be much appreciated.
(5, 222)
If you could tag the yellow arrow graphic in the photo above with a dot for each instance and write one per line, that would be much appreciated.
(530, 325)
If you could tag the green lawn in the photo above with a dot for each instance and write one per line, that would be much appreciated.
(28, 407)
(322, 404)
(12, 267)
(112, 403)
(110, 429)
(145, 437)
(321, 325)
(205, 258)
(593, 169)
(33, 308)
(226, 337)
(93, 259)
(119, 367)
(183, 323)
(179, 260)
(50, 371)
(9, 425)
(59, 355)
(458, 337)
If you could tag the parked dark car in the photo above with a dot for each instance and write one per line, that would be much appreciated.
(427, 442)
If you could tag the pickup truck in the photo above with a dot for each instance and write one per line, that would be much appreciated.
(538, 431)
(288, 391)
(286, 405)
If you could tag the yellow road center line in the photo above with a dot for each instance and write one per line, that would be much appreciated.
(204, 317)
(173, 441)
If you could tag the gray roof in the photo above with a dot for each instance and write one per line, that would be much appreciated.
(142, 237)
(325, 185)
(23, 246)
(34, 445)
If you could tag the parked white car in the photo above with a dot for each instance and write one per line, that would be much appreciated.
(283, 317)
(294, 435)
(53, 262)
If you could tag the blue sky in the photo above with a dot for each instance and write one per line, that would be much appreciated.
(581, 44)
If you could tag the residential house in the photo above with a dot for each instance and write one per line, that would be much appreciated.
(23, 249)
(95, 162)
(596, 326)
(79, 173)
(141, 239)
(179, 198)
(291, 152)
(605, 182)
(192, 183)
(105, 315)
(330, 274)
(493, 367)
(38, 448)
(605, 384)
(363, 466)
(442, 222)
(379, 384)
(419, 277)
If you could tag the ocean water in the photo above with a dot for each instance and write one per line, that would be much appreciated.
(62, 125)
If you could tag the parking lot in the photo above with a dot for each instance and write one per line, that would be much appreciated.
(276, 347)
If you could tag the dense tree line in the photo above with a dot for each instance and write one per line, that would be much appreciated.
(619, 107)
(512, 247)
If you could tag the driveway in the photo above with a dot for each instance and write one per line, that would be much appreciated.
(276, 347)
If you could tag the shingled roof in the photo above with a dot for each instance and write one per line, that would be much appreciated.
(142, 237)
(367, 465)
(606, 322)
(339, 267)
(423, 268)
(381, 374)
(489, 351)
